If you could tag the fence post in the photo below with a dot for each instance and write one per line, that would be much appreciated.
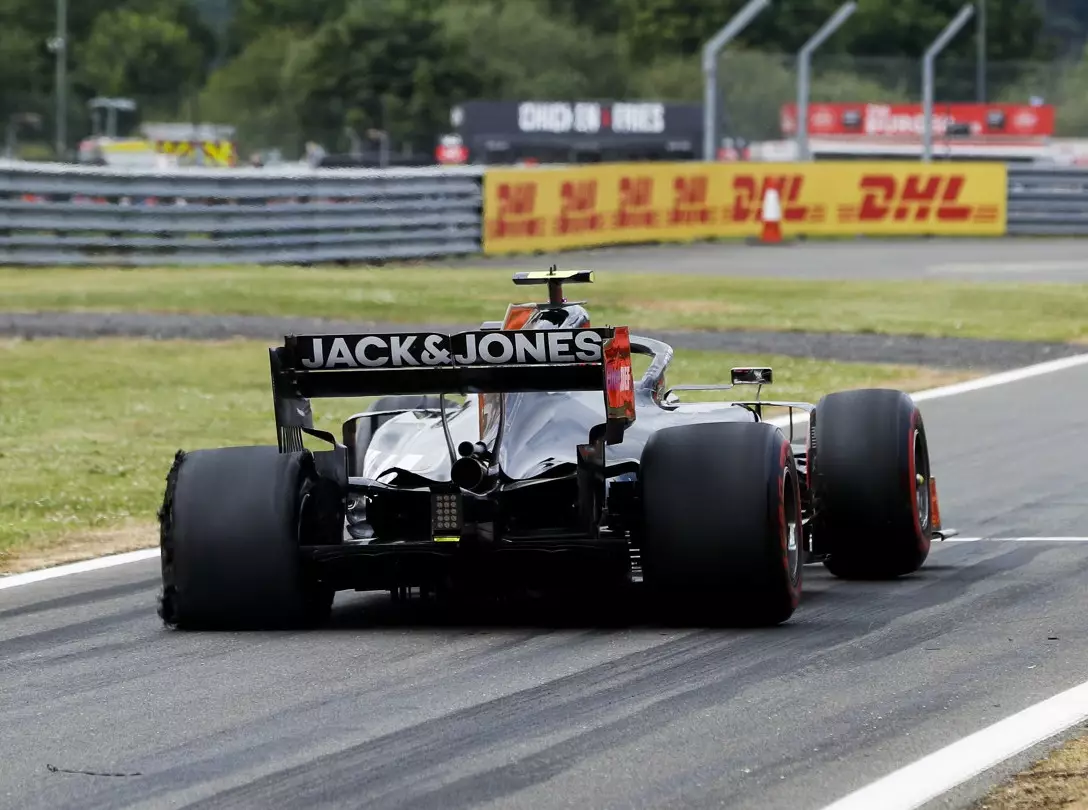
(938, 45)
(804, 62)
(710, 70)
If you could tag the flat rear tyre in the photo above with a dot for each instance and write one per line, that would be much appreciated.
(230, 528)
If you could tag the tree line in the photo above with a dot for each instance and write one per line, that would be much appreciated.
(286, 71)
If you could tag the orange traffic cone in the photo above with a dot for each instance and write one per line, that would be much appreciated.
(771, 216)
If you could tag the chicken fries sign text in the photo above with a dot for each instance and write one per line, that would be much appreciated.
(548, 209)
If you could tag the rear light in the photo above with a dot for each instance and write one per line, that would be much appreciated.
(446, 513)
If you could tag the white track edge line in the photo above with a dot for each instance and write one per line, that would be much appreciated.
(1002, 378)
(937, 543)
(94, 564)
(977, 384)
(927, 778)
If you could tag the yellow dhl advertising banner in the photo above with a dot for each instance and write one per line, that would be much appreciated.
(547, 209)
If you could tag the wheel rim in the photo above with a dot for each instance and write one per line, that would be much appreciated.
(921, 479)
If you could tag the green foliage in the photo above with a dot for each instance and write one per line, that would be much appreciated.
(530, 54)
(383, 64)
(595, 17)
(22, 68)
(1073, 89)
(255, 92)
(656, 28)
(1064, 84)
(755, 86)
(27, 25)
(884, 28)
(1067, 24)
(254, 18)
(144, 56)
(286, 71)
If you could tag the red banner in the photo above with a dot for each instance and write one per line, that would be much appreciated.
(907, 120)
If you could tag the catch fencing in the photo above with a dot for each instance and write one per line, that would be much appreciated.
(52, 214)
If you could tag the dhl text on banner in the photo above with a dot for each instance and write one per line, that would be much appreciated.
(549, 209)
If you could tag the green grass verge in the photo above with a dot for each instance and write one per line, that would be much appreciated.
(88, 428)
(418, 295)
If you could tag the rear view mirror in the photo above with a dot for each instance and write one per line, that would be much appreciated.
(751, 376)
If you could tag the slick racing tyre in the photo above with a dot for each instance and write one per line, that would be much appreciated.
(230, 528)
(721, 537)
(869, 477)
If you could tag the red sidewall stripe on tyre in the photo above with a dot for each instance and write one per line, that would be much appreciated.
(923, 539)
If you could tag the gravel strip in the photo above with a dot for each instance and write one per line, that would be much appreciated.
(953, 353)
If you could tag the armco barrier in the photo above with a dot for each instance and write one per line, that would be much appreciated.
(53, 214)
(1048, 201)
(556, 208)
(59, 214)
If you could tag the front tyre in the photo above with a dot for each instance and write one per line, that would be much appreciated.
(869, 473)
(721, 535)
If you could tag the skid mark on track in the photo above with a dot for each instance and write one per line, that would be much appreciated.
(607, 706)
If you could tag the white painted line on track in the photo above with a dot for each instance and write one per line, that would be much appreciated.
(1012, 540)
(1072, 265)
(96, 564)
(977, 384)
(927, 778)
(1003, 378)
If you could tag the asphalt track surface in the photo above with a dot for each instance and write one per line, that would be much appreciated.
(949, 259)
(397, 706)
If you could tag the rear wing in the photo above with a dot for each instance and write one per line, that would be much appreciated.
(477, 362)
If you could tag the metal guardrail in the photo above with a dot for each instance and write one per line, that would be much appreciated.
(1047, 201)
(55, 214)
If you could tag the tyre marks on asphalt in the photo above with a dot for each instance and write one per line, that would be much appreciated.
(554, 727)
(75, 600)
(420, 710)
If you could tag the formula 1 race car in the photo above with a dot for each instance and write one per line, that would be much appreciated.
(526, 455)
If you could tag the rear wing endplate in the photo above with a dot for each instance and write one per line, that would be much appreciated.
(476, 362)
